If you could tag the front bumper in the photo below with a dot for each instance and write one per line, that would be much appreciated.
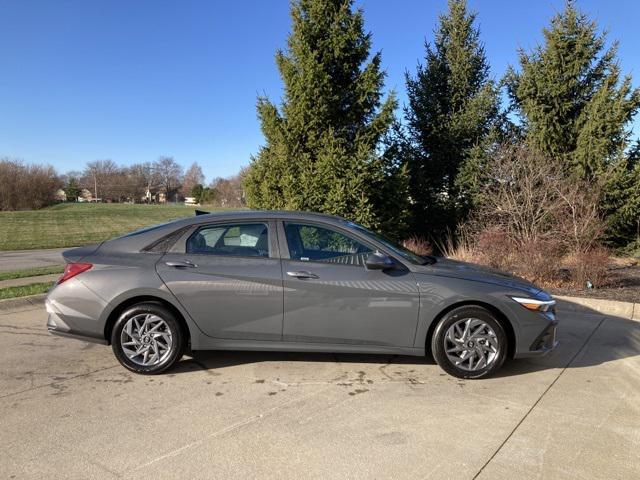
(546, 341)
(543, 343)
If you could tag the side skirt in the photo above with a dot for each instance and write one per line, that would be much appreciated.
(256, 345)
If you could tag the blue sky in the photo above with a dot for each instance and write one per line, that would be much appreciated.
(132, 80)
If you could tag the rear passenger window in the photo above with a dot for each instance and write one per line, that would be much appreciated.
(245, 240)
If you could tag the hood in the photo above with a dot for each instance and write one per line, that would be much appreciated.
(477, 273)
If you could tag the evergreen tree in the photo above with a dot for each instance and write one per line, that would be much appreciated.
(621, 201)
(324, 144)
(72, 190)
(452, 116)
(569, 94)
(576, 108)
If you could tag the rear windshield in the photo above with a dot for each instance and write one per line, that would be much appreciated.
(145, 230)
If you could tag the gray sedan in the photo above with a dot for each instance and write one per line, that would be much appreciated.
(290, 281)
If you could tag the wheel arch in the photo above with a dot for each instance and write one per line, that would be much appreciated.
(129, 302)
(500, 316)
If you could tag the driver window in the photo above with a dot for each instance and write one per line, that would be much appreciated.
(310, 243)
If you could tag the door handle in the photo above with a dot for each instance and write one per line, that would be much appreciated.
(302, 274)
(183, 264)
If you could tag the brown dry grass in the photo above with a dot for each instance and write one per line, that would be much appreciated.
(418, 245)
(542, 261)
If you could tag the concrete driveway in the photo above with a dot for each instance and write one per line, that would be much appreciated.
(67, 410)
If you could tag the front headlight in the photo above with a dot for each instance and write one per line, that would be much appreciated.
(535, 305)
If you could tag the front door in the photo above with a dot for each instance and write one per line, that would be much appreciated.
(330, 297)
(228, 277)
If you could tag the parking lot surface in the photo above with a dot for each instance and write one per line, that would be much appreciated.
(68, 410)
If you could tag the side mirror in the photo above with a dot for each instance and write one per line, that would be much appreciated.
(378, 261)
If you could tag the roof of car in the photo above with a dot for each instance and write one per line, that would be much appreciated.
(135, 241)
(260, 214)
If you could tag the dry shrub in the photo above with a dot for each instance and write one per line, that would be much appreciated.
(520, 194)
(578, 220)
(532, 217)
(494, 248)
(543, 261)
(462, 249)
(539, 261)
(418, 245)
(592, 266)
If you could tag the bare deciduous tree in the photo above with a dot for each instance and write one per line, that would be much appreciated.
(192, 177)
(140, 179)
(168, 174)
(228, 192)
(529, 198)
(103, 178)
(24, 187)
(520, 194)
(579, 221)
(532, 218)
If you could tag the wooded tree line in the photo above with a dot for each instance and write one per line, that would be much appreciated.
(144, 182)
(26, 187)
(32, 185)
(451, 161)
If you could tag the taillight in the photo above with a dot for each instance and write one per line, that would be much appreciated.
(73, 269)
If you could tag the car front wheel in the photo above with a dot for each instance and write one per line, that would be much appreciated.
(469, 342)
(147, 339)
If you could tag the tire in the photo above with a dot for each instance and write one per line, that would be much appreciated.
(162, 338)
(461, 353)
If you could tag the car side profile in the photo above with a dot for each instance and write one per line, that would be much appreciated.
(292, 281)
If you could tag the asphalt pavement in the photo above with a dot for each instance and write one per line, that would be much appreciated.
(68, 410)
(21, 259)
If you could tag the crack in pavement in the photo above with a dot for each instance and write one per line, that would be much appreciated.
(22, 330)
(526, 415)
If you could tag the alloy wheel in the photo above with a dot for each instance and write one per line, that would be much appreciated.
(146, 340)
(471, 344)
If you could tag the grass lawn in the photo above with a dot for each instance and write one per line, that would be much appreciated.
(24, 290)
(30, 272)
(73, 224)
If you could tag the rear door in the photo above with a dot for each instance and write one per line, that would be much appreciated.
(330, 297)
(228, 277)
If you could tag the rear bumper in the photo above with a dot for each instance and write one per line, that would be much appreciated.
(78, 336)
(57, 326)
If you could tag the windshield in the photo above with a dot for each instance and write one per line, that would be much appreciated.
(394, 247)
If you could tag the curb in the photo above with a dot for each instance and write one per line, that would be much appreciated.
(627, 310)
(28, 301)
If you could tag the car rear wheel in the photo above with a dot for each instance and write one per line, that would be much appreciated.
(147, 339)
(469, 342)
